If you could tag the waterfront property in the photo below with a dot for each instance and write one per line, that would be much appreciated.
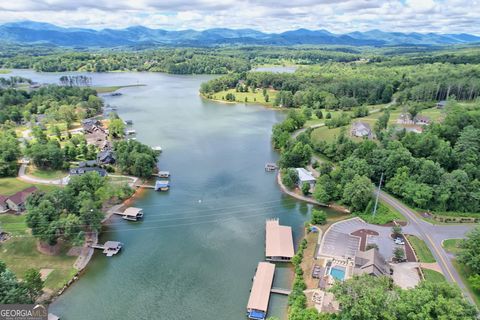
(131, 213)
(257, 305)
(162, 185)
(305, 176)
(110, 248)
(279, 242)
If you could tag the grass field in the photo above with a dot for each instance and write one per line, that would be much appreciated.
(433, 276)
(4, 71)
(114, 88)
(20, 253)
(384, 214)
(464, 273)
(452, 245)
(45, 174)
(256, 97)
(422, 251)
(9, 186)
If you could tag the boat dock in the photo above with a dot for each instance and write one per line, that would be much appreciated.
(257, 306)
(162, 185)
(162, 174)
(269, 167)
(110, 248)
(131, 213)
(279, 242)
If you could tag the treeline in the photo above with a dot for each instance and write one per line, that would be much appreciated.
(135, 158)
(57, 102)
(436, 170)
(343, 86)
(176, 61)
(13, 290)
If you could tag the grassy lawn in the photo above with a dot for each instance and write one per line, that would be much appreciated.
(9, 186)
(433, 276)
(45, 174)
(464, 273)
(114, 88)
(421, 250)
(452, 245)
(326, 134)
(13, 224)
(21, 254)
(4, 71)
(384, 215)
(256, 97)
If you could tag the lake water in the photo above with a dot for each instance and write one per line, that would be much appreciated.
(195, 253)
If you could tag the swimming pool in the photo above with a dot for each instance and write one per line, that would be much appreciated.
(338, 273)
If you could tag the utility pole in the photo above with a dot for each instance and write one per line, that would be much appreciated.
(378, 194)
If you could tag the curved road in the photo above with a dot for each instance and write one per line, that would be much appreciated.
(432, 234)
(22, 175)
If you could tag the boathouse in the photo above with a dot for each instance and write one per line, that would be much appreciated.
(112, 247)
(257, 306)
(279, 242)
(270, 167)
(132, 214)
(162, 185)
(163, 174)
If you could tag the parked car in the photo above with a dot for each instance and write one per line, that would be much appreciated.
(399, 241)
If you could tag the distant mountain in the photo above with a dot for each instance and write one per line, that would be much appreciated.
(31, 32)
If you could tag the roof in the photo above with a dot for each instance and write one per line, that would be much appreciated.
(304, 175)
(262, 284)
(21, 196)
(3, 199)
(82, 170)
(279, 240)
(361, 125)
(132, 211)
(112, 244)
(162, 183)
(361, 128)
(422, 118)
(370, 262)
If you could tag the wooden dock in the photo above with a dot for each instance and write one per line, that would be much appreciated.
(146, 186)
(284, 292)
(110, 248)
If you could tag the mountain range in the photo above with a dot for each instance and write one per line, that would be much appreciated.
(31, 32)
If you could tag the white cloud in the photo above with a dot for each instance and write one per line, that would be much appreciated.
(340, 16)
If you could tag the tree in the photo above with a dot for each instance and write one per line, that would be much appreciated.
(319, 114)
(398, 254)
(116, 128)
(33, 283)
(47, 156)
(358, 193)
(475, 281)
(306, 188)
(323, 192)
(289, 178)
(397, 230)
(9, 154)
(318, 217)
(469, 254)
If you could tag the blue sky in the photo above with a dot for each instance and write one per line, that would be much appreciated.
(340, 16)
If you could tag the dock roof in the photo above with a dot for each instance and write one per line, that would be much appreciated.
(132, 211)
(262, 284)
(279, 240)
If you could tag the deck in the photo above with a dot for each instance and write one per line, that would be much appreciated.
(282, 291)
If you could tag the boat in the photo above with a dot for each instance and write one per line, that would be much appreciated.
(157, 148)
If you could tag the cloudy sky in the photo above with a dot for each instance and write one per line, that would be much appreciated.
(445, 16)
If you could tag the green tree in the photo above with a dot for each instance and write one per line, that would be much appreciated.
(398, 254)
(289, 178)
(306, 188)
(469, 254)
(318, 217)
(116, 128)
(33, 283)
(358, 193)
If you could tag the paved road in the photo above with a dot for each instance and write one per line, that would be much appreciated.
(433, 235)
(22, 175)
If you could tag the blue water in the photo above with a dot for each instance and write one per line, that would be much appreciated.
(338, 273)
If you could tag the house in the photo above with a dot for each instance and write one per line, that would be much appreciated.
(3, 204)
(305, 176)
(361, 129)
(90, 124)
(370, 262)
(17, 201)
(82, 170)
(441, 104)
(106, 156)
(279, 242)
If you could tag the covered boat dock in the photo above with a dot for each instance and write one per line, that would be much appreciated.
(131, 213)
(257, 306)
(279, 242)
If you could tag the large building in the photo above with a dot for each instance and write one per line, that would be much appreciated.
(279, 242)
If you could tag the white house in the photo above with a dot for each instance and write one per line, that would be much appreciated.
(305, 176)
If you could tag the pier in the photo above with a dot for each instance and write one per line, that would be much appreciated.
(110, 248)
(284, 292)
(131, 213)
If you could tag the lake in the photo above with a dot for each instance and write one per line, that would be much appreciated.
(195, 253)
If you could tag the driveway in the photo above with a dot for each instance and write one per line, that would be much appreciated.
(22, 175)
